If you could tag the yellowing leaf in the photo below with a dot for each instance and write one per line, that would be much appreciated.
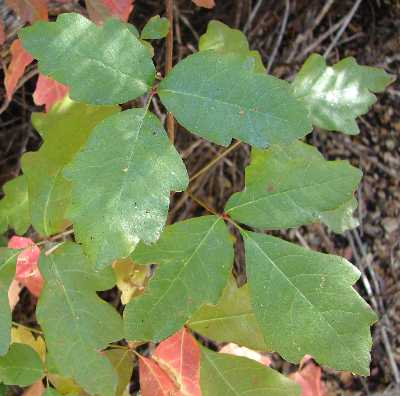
(22, 335)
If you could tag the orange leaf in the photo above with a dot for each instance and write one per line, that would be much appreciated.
(27, 271)
(20, 59)
(29, 10)
(204, 3)
(153, 380)
(99, 10)
(36, 389)
(48, 92)
(309, 378)
(179, 356)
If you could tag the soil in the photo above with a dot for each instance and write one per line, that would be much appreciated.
(373, 38)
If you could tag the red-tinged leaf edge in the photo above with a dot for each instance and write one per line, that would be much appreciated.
(48, 92)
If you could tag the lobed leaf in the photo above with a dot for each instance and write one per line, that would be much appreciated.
(220, 37)
(121, 181)
(155, 28)
(8, 261)
(14, 207)
(288, 186)
(20, 366)
(114, 66)
(305, 304)
(75, 321)
(335, 96)
(49, 192)
(229, 375)
(122, 361)
(257, 109)
(195, 258)
(231, 319)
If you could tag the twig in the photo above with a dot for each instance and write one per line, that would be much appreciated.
(346, 22)
(280, 37)
(169, 8)
(252, 15)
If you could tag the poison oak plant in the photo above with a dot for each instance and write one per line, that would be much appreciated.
(106, 175)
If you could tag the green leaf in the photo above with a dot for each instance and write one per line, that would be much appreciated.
(8, 261)
(341, 219)
(305, 304)
(3, 390)
(231, 319)
(230, 375)
(258, 109)
(121, 181)
(220, 37)
(76, 322)
(20, 366)
(50, 392)
(195, 258)
(49, 192)
(122, 361)
(155, 28)
(103, 64)
(337, 95)
(14, 207)
(288, 186)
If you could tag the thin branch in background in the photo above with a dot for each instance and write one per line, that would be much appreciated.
(252, 15)
(346, 22)
(169, 10)
(280, 37)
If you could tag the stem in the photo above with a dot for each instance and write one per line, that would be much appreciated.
(169, 8)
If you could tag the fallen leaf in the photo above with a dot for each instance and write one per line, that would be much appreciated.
(20, 59)
(309, 378)
(204, 3)
(154, 381)
(237, 350)
(99, 10)
(179, 356)
(13, 294)
(27, 271)
(48, 92)
(36, 389)
(29, 10)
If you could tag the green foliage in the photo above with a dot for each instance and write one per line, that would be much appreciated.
(76, 322)
(195, 258)
(336, 95)
(20, 366)
(121, 184)
(305, 304)
(109, 53)
(232, 319)
(228, 375)
(109, 174)
(49, 192)
(8, 258)
(155, 28)
(14, 207)
(288, 186)
(258, 109)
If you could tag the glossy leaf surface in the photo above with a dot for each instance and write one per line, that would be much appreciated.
(195, 258)
(257, 109)
(128, 168)
(337, 95)
(305, 304)
(114, 66)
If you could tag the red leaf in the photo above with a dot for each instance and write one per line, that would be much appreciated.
(29, 10)
(20, 59)
(309, 378)
(99, 10)
(179, 356)
(204, 3)
(154, 381)
(27, 271)
(2, 33)
(48, 92)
